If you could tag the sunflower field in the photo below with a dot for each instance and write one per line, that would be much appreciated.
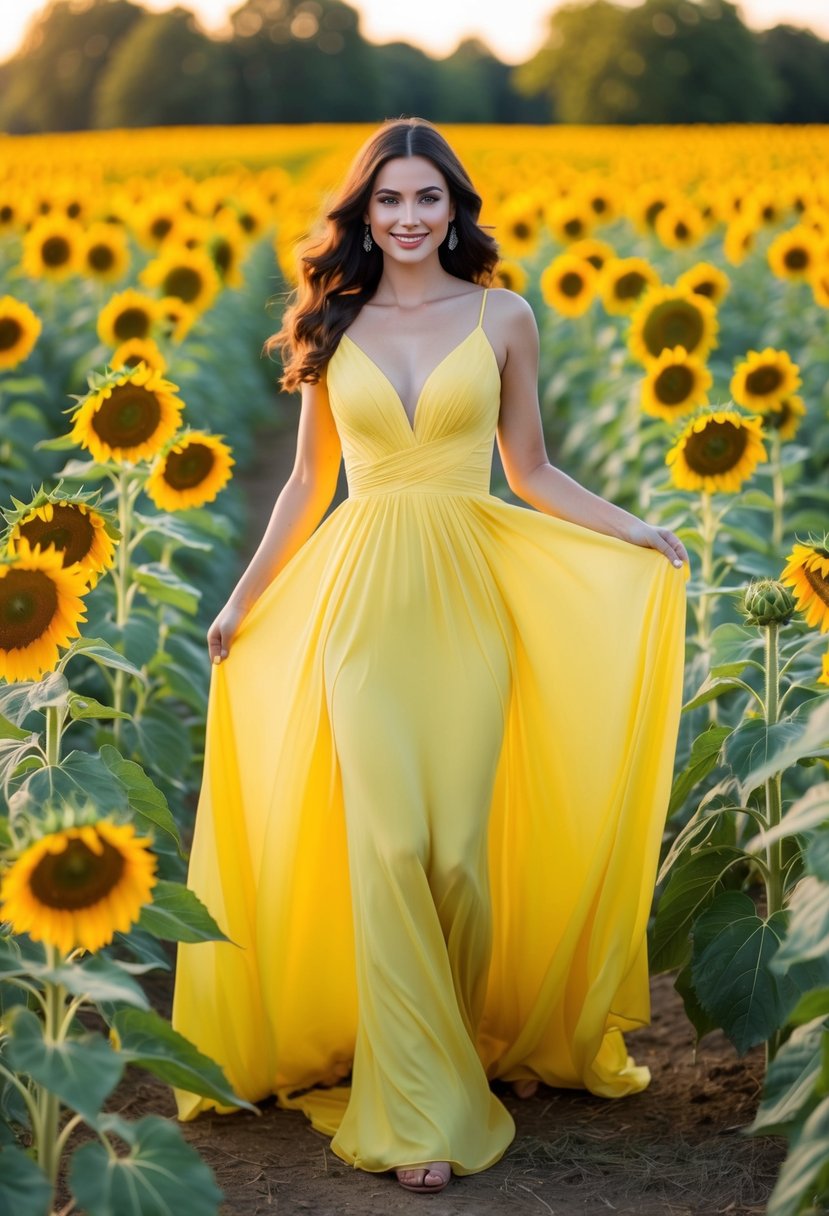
(680, 279)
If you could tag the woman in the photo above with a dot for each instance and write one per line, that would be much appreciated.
(441, 727)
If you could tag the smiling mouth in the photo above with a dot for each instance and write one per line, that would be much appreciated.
(409, 240)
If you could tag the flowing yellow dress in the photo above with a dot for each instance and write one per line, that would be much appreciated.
(437, 765)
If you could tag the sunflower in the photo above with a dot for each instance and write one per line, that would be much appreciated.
(602, 200)
(188, 274)
(518, 226)
(75, 529)
(189, 472)
(568, 284)
(252, 213)
(129, 417)
(786, 417)
(597, 253)
(569, 219)
(40, 608)
(19, 330)
(705, 279)
(105, 255)
(740, 239)
(675, 384)
(175, 318)
(647, 203)
(79, 886)
(129, 314)
(51, 248)
(227, 247)
(679, 225)
(717, 450)
(139, 350)
(764, 379)
(623, 281)
(807, 572)
(154, 219)
(511, 275)
(795, 254)
(671, 316)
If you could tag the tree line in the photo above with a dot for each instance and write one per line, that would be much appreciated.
(114, 64)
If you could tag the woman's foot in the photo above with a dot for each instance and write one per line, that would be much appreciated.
(433, 1177)
(524, 1089)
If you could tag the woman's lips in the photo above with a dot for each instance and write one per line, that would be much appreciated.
(407, 243)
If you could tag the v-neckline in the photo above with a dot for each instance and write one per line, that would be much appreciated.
(411, 426)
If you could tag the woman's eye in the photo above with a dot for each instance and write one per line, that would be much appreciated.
(432, 198)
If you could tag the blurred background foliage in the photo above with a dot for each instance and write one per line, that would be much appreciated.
(111, 63)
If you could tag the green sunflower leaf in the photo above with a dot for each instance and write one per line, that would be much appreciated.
(161, 1175)
(176, 914)
(150, 1042)
(24, 1188)
(82, 1071)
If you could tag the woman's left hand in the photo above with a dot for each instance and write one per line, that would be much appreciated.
(663, 539)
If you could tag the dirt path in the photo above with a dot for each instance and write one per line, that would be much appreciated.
(675, 1150)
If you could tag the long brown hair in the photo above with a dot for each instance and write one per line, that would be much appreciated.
(337, 276)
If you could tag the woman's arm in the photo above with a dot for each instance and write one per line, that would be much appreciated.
(524, 454)
(303, 500)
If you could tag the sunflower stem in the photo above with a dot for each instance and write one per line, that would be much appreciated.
(778, 491)
(24, 1092)
(774, 801)
(54, 727)
(121, 573)
(708, 532)
(47, 1153)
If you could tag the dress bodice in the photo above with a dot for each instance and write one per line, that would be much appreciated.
(447, 449)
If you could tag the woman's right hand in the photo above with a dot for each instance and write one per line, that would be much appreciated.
(221, 632)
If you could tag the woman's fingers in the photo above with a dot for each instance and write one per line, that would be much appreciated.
(672, 546)
(217, 649)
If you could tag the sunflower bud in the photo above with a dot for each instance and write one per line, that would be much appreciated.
(767, 602)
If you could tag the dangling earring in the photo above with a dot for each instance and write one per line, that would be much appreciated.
(367, 241)
(453, 238)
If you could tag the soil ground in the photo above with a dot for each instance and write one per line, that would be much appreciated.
(677, 1149)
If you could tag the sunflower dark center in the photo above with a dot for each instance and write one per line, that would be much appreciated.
(6, 213)
(10, 332)
(247, 222)
(796, 259)
(778, 418)
(705, 287)
(55, 251)
(674, 385)
(101, 257)
(189, 468)
(132, 322)
(673, 323)
(77, 877)
(184, 282)
(764, 380)
(653, 211)
(73, 210)
(717, 448)
(571, 284)
(629, 286)
(599, 204)
(160, 226)
(681, 230)
(223, 255)
(69, 530)
(574, 226)
(521, 230)
(127, 418)
(28, 602)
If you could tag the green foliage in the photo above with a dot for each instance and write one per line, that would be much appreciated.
(196, 71)
(660, 61)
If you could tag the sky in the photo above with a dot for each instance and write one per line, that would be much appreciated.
(512, 31)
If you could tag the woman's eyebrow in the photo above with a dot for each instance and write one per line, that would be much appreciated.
(422, 190)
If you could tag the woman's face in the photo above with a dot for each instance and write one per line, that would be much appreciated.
(410, 197)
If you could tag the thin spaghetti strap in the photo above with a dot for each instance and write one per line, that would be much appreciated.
(483, 302)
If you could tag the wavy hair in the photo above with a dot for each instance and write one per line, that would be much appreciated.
(336, 276)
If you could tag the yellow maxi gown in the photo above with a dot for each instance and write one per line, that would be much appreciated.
(437, 765)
